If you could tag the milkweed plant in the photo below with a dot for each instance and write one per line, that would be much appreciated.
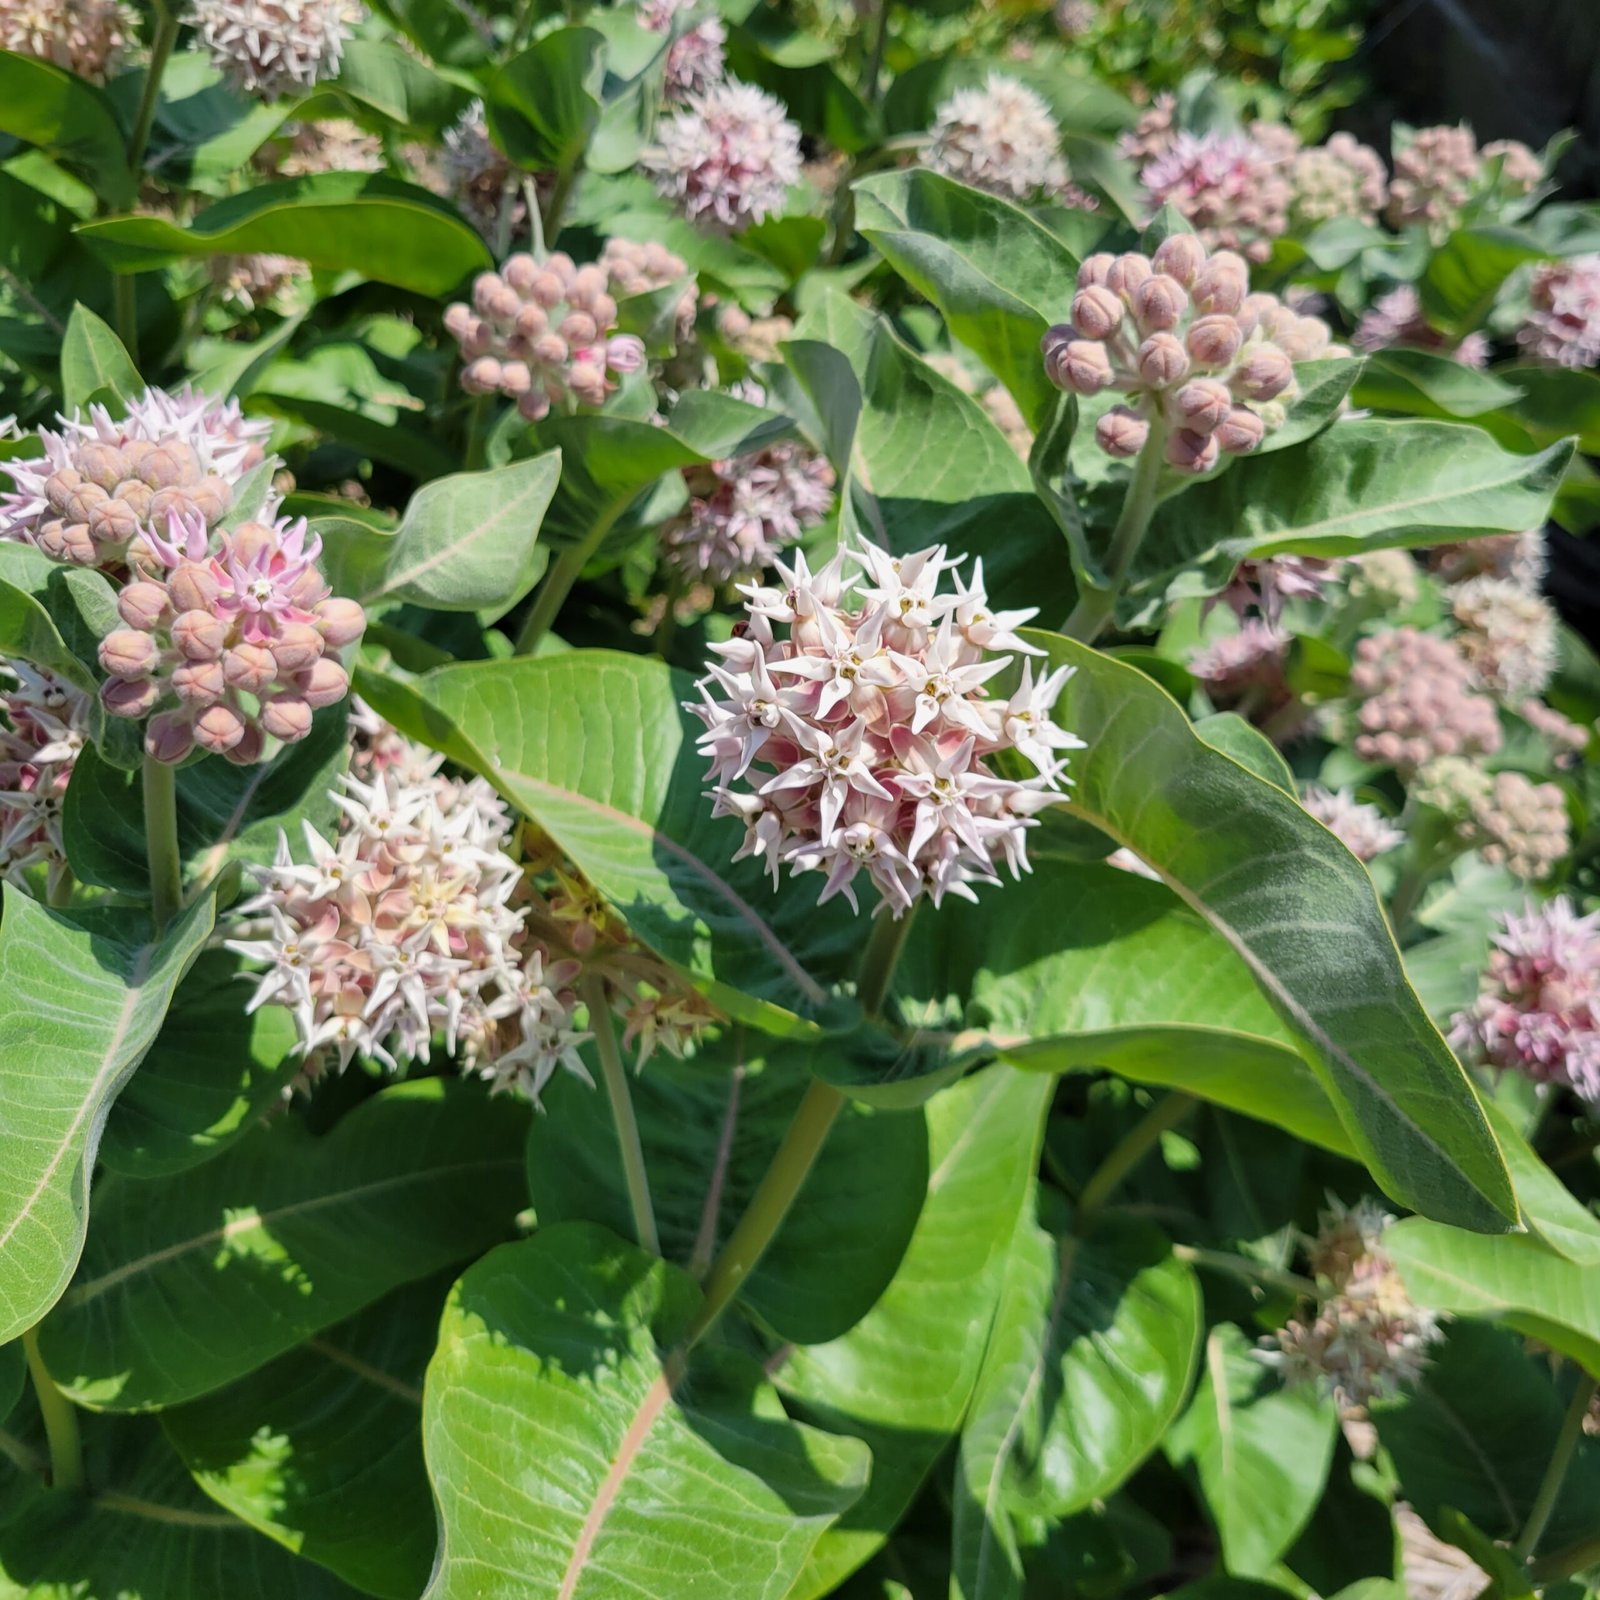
(787, 808)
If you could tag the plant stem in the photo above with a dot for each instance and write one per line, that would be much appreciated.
(560, 193)
(60, 1420)
(1136, 1144)
(880, 42)
(1096, 607)
(1560, 1458)
(769, 1205)
(1566, 1563)
(879, 958)
(558, 582)
(1244, 1267)
(161, 840)
(616, 1080)
(166, 35)
(477, 416)
(125, 311)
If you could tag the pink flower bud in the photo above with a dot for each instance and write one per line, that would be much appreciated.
(170, 465)
(521, 272)
(459, 321)
(551, 349)
(1214, 341)
(1121, 433)
(298, 644)
(198, 635)
(481, 376)
(1203, 404)
(1126, 273)
(503, 304)
(587, 382)
(548, 290)
(286, 717)
(1159, 303)
(129, 697)
(1263, 374)
(212, 497)
(80, 504)
(169, 738)
(1241, 431)
(531, 323)
(218, 728)
(578, 328)
(199, 683)
(515, 379)
(1095, 268)
(128, 653)
(484, 288)
(1096, 312)
(113, 523)
(342, 622)
(1181, 257)
(1081, 366)
(167, 505)
(68, 541)
(142, 605)
(1161, 361)
(103, 464)
(249, 749)
(249, 667)
(534, 407)
(324, 683)
(192, 587)
(1220, 287)
(625, 352)
(1191, 452)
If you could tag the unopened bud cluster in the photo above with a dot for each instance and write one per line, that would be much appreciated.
(1538, 1005)
(1418, 700)
(863, 737)
(1441, 172)
(1365, 1339)
(229, 643)
(632, 268)
(1233, 190)
(1342, 178)
(1246, 671)
(542, 333)
(43, 726)
(1508, 818)
(1268, 583)
(1397, 318)
(1193, 350)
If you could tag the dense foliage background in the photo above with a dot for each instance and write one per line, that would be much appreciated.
(890, 897)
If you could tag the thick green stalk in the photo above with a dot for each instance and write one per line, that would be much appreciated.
(1555, 1473)
(560, 193)
(627, 1125)
(1096, 607)
(161, 840)
(60, 1420)
(878, 960)
(1243, 1267)
(558, 582)
(1138, 1142)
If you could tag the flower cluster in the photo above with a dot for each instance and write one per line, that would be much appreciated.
(695, 57)
(233, 640)
(101, 485)
(87, 37)
(1441, 172)
(1233, 190)
(1563, 321)
(43, 728)
(1001, 139)
(1519, 557)
(1265, 585)
(1342, 178)
(875, 731)
(1418, 700)
(1182, 336)
(1564, 736)
(1538, 1005)
(249, 281)
(1153, 133)
(744, 512)
(632, 268)
(1365, 1340)
(727, 157)
(1507, 635)
(1386, 580)
(1397, 318)
(542, 333)
(1362, 829)
(331, 144)
(475, 173)
(1512, 821)
(273, 48)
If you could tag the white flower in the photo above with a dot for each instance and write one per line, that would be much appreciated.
(272, 48)
(1508, 635)
(695, 57)
(1362, 829)
(87, 37)
(1000, 138)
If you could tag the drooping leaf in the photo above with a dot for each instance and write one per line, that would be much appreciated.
(68, 118)
(468, 542)
(1302, 914)
(1422, 383)
(543, 103)
(321, 1449)
(1260, 1451)
(188, 1286)
(362, 222)
(94, 364)
(380, 76)
(1091, 1357)
(82, 997)
(570, 1457)
(983, 1137)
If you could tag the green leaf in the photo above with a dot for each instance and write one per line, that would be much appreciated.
(568, 1458)
(1556, 403)
(999, 278)
(1142, 988)
(94, 365)
(1477, 1435)
(1091, 1357)
(1422, 383)
(82, 997)
(1302, 914)
(1357, 486)
(147, 1534)
(383, 77)
(210, 1076)
(468, 542)
(983, 1147)
(385, 230)
(1551, 1209)
(596, 748)
(710, 1126)
(543, 104)
(321, 1449)
(1245, 743)
(1466, 273)
(1260, 1451)
(67, 118)
(186, 1287)
(1516, 1279)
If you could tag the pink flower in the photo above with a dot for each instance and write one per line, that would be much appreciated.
(1230, 188)
(1563, 322)
(695, 57)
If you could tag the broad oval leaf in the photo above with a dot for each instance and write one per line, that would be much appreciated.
(82, 997)
(571, 1458)
(187, 1286)
(543, 104)
(1302, 914)
(94, 364)
(1465, 274)
(1424, 383)
(66, 117)
(363, 222)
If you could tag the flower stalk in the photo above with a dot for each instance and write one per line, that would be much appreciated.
(615, 1076)
(161, 838)
(1135, 1145)
(1555, 1473)
(60, 1420)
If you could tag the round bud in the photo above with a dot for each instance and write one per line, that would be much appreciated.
(578, 329)
(1306, 339)
(1121, 433)
(587, 282)
(60, 486)
(170, 465)
(534, 407)
(212, 497)
(218, 728)
(1096, 312)
(459, 321)
(249, 667)
(134, 496)
(1191, 452)
(252, 539)
(286, 717)
(68, 541)
(80, 504)
(1095, 268)
(129, 697)
(103, 464)
(249, 749)
(1159, 303)
(1126, 273)
(547, 290)
(587, 381)
(484, 288)
(1259, 311)
(1214, 341)
(324, 683)
(298, 644)
(1263, 374)
(192, 587)
(1220, 287)
(520, 272)
(199, 636)
(481, 376)
(1181, 257)
(342, 622)
(1240, 431)
(1081, 366)
(551, 349)
(1203, 404)
(532, 321)
(128, 653)
(199, 683)
(515, 378)
(169, 738)
(142, 604)
(113, 523)
(503, 304)
(1161, 361)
